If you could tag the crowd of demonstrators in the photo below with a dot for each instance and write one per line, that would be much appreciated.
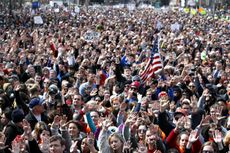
(61, 93)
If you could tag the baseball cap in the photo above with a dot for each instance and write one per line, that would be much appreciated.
(135, 84)
(180, 111)
(35, 101)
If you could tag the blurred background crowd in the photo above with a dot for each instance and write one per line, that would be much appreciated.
(114, 80)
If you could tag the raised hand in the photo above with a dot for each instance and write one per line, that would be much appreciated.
(131, 118)
(142, 148)
(217, 136)
(63, 121)
(180, 124)
(90, 140)
(56, 121)
(127, 147)
(154, 129)
(15, 147)
(2, 143)
(44, 146)
(73, 147)
(88, 107)
(163, 105)
(94, 92)
(205, 120)
(187, 123)
(193, 136)
(26, 128)
(107, 123)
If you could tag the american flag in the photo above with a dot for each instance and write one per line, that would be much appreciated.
(153, 65)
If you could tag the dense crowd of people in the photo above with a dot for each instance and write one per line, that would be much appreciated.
(63, 92)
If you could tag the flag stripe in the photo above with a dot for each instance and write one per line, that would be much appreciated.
(153, 64)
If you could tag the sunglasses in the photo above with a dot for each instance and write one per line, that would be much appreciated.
(132, 88)
(142, 130)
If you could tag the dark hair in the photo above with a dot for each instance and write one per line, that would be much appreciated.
(78, 125)
(57, 138)
(172, 150)
(39, 127)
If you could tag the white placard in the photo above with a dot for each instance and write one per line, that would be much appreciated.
(191, 3)
(131, 7)
(159, 25)
(55, 2)
(175, 27)
(91, 36)
(76, 9)
(65, 9)
(38, 20)
(32, 12)
(56, 10)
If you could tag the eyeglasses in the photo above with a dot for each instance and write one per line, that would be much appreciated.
(207, 151)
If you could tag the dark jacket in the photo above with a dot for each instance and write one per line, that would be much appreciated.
(11, 131)
(33, 146)
(32, 120)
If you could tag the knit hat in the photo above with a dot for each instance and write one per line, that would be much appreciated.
(17, 116)
(5, 86)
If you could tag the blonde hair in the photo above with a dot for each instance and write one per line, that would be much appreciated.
(116, 135)
(227, 139)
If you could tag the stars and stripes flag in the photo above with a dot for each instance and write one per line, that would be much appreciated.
(154, 63)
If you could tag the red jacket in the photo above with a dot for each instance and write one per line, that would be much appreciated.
(171, 142)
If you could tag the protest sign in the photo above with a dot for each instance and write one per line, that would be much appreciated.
(159, 25)
(56, 10)
(193, 11)
(175, 27)
(91, 36)
(35, 5)
(38, 20)
(76, 9)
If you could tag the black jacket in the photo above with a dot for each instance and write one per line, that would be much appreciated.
(11, 131)
(32, 120)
